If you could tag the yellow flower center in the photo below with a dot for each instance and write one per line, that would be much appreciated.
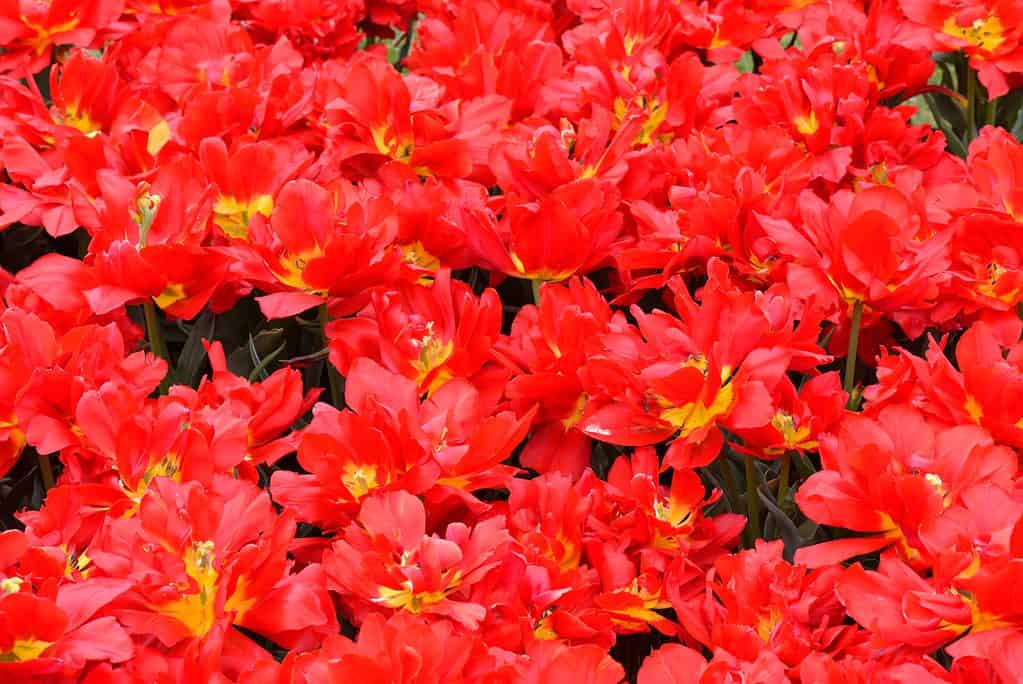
(433, 353)
(406, 599)
(572, 419)
(196, 610)
(11, 585)
(292, 267)
(766, 624)
(233, 215)
(359, 480)
(807, 124)
(79, 119)
(691, 417)
(672, 512)
(24, 649)
(989, 287)
(794, 436)
(984, 34)
(44, 36)
(388, 144)
(416, 254)
(172, 294)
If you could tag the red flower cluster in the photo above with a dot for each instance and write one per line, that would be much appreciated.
(546, 341)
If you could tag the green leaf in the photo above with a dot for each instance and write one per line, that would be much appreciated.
(746, 63)
(259, 372)
(955, 143)
(786, 529)
(193, 355)
(243, 360)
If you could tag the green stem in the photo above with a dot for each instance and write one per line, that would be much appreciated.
(850, 359)
(336, 395)
(535, 284)
(46, 468)
(803, 465)
(971, 104)
(156, 343)
(991, 112)
(783, 477)
(731, 488)
(153, 333)
(752, 501)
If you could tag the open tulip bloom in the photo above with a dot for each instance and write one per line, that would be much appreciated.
(511, 341)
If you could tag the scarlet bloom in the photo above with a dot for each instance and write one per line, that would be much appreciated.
(899, 606)
(532, 162)
(703, 195)
(268, 408)
(205, 559)
(877, 34)
(386, 561)
(54, 287)
(30, 30)
(87, 93)
(248, 179)
(27, 343)
(756, 601)
(310, 251)
(350, 457)
(53, 623)
(546, 350)
(677, 378)
(800, 416)
(87, 357)
(487, 48)
(987, 253)
(50, 638)
(893, 477)
(989, 371)
(839, 259)
(133, 447)
(725, 184)
(995, 160)
(672, 664)
(665, 521)
(632, 595)
(319, 29)
(570, 231)
(406, 647)
(372, 125)
(988, 31)
(148, 245)
(429, 333)
(678, 664)
(556, 662)
(548, 518)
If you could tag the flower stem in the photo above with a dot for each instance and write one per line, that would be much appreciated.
(783, 477)
(156, 344)
(752, 501)
(535, 284)
(336, 394)
(991, 112)
(803, 465)
(46, 468)
(153, 333)
(731, 488)
(971, 105)
(850, 359)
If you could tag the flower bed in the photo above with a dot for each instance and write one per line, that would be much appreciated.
(494, 341)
